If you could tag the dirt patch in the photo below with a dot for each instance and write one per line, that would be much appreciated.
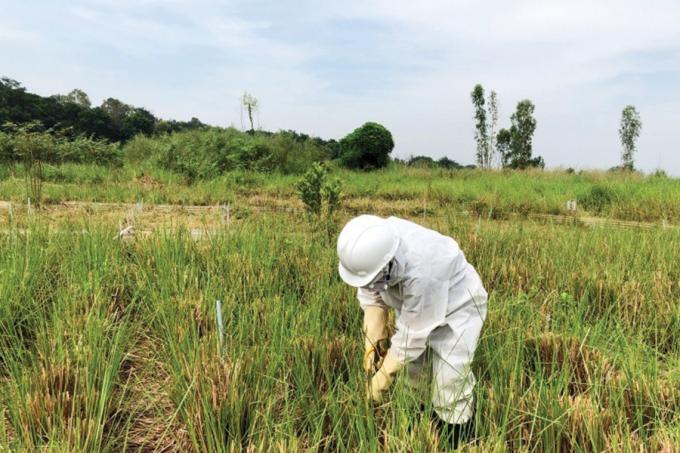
(198, 217)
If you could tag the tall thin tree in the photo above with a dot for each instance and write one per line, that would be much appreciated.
(250, 103)
(492, 109)
(629, 131)
(481, 134)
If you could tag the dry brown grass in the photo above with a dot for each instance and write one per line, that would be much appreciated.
(554, 354)
(154, 425)
(327, 359)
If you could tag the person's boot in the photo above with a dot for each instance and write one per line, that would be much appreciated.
(454, 434)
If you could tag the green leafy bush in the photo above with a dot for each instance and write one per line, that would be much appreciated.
(6, 149)
(84, 150)
(598, 198)
(449, 164)
(422, 161)
(367, 147)
(316, 191)
(34, 147)
(143, 148)
(32, 141)
(204, 154)
(294, 156)
(333, 196)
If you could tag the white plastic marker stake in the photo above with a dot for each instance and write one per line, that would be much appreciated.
(220, 327)
(226, 213)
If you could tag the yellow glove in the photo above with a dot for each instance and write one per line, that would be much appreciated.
(383, 378)
(375, 334)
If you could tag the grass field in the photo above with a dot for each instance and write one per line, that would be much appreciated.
(623, 196)
(109, 345)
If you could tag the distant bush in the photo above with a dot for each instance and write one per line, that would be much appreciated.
(169, 126)
(428, 162)
(448, 164)
(6, 149)
(34, 147)
(84, 150)
(5, 172)
(330, 148)
(143, 148)
(292, 155)
(597, 199)
(367, 147)
(206, 154)
(32, 141)
(202, 154)
(421, 161)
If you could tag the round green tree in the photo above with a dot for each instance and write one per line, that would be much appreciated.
(367, 147)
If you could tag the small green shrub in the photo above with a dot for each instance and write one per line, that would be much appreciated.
(332, 194)
(309, 188)
(316, 192)
(33, 148)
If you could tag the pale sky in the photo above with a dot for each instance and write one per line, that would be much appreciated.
(325, 68)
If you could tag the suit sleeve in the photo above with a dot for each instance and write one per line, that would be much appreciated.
(369, 298)
(424, 309)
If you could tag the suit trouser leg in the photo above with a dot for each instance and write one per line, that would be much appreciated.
(453, 346)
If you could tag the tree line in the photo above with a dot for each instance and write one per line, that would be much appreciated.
(513, 147)
(113, 120)
(508, 148)
(368, 147)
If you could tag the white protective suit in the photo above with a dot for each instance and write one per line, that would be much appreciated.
(440, 304)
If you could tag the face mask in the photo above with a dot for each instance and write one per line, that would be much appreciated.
(382, 281)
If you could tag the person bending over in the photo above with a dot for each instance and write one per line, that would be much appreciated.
(440, 306)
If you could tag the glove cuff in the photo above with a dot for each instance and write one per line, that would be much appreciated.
(375, 322)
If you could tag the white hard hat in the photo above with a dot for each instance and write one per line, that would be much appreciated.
(365, 246)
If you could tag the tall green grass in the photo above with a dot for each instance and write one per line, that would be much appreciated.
(110, 346)
(498, 195)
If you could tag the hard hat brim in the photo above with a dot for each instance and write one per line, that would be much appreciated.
(356, 280)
